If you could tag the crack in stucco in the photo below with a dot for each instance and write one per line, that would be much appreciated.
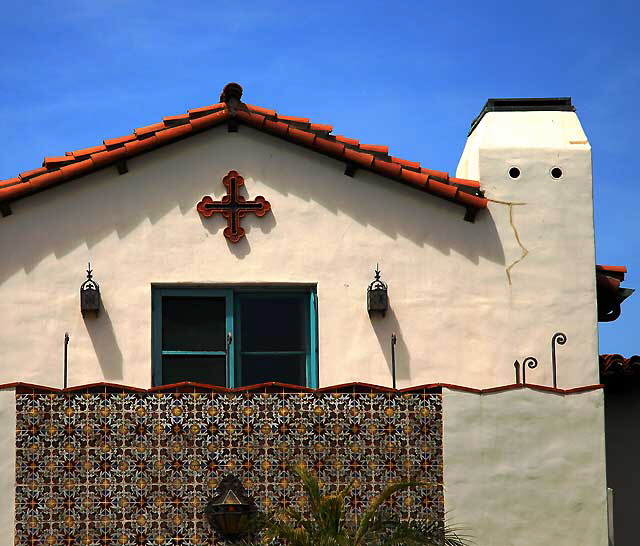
(524, 249)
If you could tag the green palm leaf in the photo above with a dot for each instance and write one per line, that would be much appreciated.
(325, 521)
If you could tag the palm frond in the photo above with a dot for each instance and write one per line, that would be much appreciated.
(375, 505)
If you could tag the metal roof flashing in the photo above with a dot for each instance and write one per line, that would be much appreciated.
(551, 104)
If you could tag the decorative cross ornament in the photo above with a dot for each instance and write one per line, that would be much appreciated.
(233, 206)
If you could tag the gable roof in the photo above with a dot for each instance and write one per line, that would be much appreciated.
(230, 109)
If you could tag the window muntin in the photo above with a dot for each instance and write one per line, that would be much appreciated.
(234, 337)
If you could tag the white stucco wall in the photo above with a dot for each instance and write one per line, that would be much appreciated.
(7, 465)
(552, 266)
(457, 318)
(526, 468)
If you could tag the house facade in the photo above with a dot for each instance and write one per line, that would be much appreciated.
(240, 327)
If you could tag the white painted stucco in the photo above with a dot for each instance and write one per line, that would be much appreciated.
(7, 465)
(526, 468)
(457, 318)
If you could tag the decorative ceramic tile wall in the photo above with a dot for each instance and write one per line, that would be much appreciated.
(137, 468)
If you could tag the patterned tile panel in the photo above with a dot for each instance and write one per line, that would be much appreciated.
(138, 468)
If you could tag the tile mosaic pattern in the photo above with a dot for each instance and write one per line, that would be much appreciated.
(137, 468)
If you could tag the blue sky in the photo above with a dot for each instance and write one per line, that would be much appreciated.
(411, 75)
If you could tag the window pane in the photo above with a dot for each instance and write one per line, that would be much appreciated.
(201, 369)
(275, 323)
(283, 368)
(193, 324)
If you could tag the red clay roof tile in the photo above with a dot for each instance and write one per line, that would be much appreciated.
(138, 146)
(372, 157)
(612, 365)
(464, 182)
(415, 178)
(206, 109)
(329, 147)
(292, 119)
(173, 119)
(303, 137)
(33, 172)
(431, 172)
(104, 158)
(374, 148)
(175, 132)
(149, 129)
(77, 169)
(386, 167)
(255, 120)
(261, 110)
(472, 200)
(88, 151)
(56, 160)
(119, 140)
(277, 127)
(405, 163)
(9, 192)
(345, 140)
(320, 127)
(45, 180)
(208, 121)
(10, 182)
(612, 268)
(445, 190)
(364, 160)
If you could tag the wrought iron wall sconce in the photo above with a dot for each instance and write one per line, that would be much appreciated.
(377, 295)
(89, 295)
(230, 511)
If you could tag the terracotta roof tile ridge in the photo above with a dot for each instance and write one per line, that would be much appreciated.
(371, 157)
(299, 130)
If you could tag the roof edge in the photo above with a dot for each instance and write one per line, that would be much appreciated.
(317, 137)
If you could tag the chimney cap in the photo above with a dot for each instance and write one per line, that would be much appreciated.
(549, 104)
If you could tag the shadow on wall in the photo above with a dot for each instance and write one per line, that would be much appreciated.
(105, 344)
(384, 327)
(216, 224)
(367, 199)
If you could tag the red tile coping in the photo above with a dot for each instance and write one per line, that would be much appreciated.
(274, 387)
(299, 130)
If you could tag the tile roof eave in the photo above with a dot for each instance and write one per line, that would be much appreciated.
(317, 137)
(618, 366)
(338, 149)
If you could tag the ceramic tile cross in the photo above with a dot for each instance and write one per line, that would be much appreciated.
(233, 206)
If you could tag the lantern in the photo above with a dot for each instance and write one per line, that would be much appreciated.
(89, 295)
(377, 296)
(230, 511)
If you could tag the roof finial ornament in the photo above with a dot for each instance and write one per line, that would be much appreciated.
(231, 94)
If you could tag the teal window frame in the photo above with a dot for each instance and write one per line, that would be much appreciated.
(233, 297)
